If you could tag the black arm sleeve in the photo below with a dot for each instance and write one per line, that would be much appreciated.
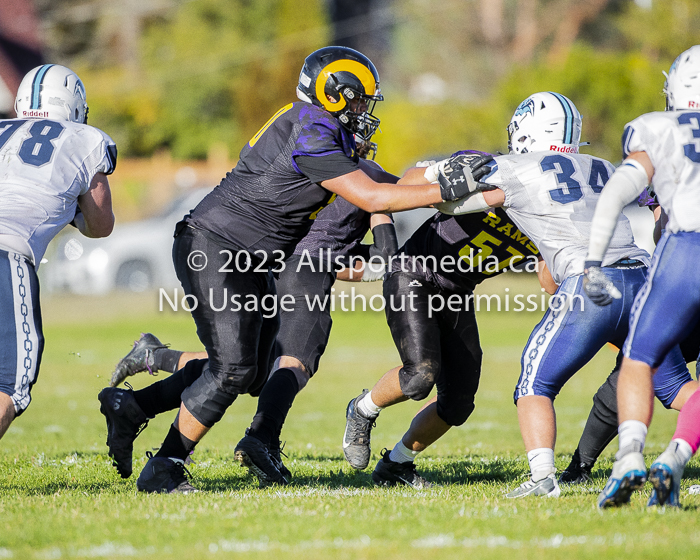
(322, 168)
(385, 242)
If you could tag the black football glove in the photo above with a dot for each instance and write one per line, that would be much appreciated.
(461, 175)
(598, 287)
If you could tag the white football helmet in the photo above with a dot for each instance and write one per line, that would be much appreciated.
(545, 121)
(682, 87)
(54, 92)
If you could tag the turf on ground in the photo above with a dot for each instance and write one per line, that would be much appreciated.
(60, 498)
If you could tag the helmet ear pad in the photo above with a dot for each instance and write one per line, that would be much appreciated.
(343, 86)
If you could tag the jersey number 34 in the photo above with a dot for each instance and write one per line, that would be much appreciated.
(570, 189)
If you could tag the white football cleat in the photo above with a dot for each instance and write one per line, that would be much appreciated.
(629, 474)
(547, 487)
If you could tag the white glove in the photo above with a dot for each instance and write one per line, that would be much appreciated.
(432, 172)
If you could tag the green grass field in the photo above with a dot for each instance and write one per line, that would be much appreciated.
(60, 497)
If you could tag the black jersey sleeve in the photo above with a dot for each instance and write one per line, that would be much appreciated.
(322, 168)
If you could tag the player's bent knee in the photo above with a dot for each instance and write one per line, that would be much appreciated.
(418, 380)
(207, 399)
(455, 412)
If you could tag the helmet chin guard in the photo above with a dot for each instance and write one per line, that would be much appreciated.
(52, 92)
(345, 83)
(545, 121)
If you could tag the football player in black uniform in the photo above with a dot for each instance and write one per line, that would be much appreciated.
(324, 255)
(226, 248)
(430, 311)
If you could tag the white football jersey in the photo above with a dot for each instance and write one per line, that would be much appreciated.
(551, 197)
(672, 142)
(45, 165)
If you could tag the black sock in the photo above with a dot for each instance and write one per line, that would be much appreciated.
(275, 400)
(165, 395)
(601, 426)
(165, 359)
(176, 445)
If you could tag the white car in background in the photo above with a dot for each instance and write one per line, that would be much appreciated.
(135, 257)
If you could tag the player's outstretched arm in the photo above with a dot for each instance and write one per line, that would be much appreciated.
(96, 218)
(454, 183)
(377, 173)
(625, 186)
(359, 189)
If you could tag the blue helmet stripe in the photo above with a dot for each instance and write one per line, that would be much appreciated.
(569, 123)
(36, 86)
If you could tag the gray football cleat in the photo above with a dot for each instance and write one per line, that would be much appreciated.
(391, 473)
(140, 358)
(547, 487)
(356, 440)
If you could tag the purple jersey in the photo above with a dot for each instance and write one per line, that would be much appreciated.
(340, 228)
(266, 203)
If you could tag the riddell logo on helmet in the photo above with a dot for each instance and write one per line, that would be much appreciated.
(693, 104)
(564, 149)
(35, 113)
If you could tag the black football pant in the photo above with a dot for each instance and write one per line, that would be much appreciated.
(238, 338)
(436, 348)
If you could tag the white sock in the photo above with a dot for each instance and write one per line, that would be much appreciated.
(367, 407)
(683, 450)
(631, 431)
(402, 454)
(541, 463)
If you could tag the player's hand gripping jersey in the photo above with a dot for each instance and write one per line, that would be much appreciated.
(270, 199)
(46, 166)
(552, 198)
(676, 172)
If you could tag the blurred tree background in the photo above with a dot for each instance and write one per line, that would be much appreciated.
(192, 76)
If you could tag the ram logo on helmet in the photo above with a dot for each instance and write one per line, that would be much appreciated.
(345, 83)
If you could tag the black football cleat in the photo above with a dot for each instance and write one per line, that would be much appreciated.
(578, 472)
(390, 473)
(163, 475)
(254, 455)
(125, 421)
(276, 453)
